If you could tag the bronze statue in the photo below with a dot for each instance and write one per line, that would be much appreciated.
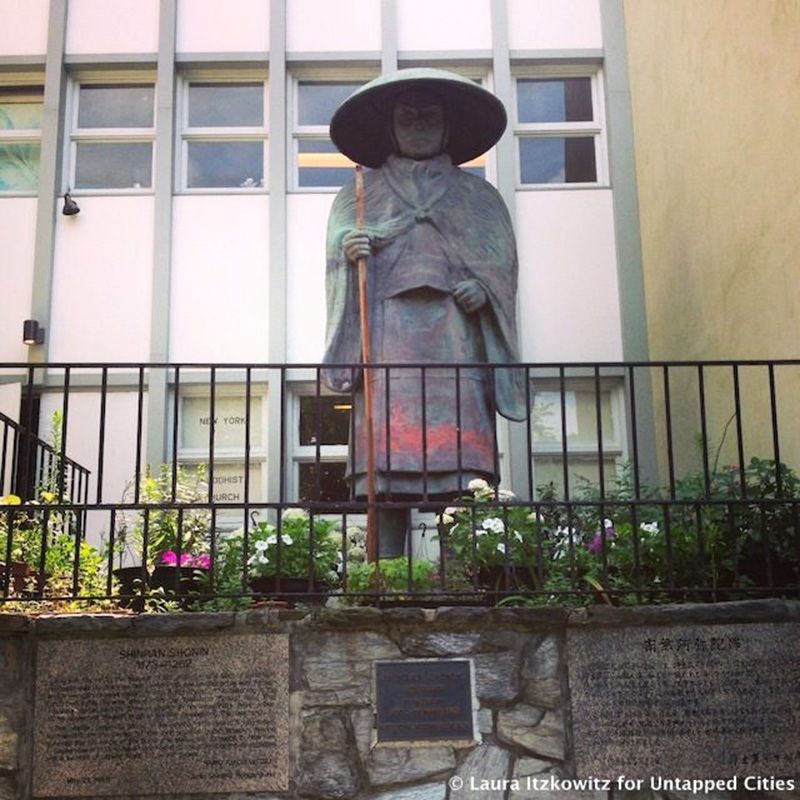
(442, 281)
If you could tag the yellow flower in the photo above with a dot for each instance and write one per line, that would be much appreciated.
(10, 500)
(48, 497)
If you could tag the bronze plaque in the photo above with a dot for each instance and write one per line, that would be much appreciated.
(428, 700)
(186, 714)
(695, 701)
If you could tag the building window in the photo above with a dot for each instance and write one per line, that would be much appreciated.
(318, 164)
(558, 129)
(112, 136)
(20, 134)
(230, 459)
(224, 134)
(582, 447)
(322, 431)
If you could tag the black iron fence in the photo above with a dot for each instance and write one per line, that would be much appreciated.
(217, 485)
(28, 463)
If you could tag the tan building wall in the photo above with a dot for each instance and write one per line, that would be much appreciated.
(715, 91)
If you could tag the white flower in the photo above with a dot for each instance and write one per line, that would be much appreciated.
(607, 523)
(262, 545)
(518, 535)
(477, 485)
(295, 513)
(444, 519)
(357, 553)
(535, 516)
(649, 527)
(501, 547)
(272, 539)
(493, 524)
(506, 494)
(287, 540)
(451, 510)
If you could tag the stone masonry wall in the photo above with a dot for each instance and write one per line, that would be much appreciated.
(521, 675)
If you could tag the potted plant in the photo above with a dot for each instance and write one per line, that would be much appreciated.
(54, 576)
(20, 557)
(300, 558)
(396, 576)
(490, 542)
(176, 554)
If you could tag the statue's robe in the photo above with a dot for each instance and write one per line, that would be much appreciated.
(432, 226)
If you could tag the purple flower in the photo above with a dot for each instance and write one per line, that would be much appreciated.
(597, 543)
(169, 557)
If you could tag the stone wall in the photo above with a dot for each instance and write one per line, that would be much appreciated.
(521, 668)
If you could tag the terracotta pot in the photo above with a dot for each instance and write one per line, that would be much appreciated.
(22, 577)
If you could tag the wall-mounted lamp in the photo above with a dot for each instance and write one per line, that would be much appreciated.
(70, 206)
(32, 333)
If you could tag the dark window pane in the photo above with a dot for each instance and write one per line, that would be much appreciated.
(115, 107)
(219, 164)
(334, 420)
(332, 484)
(557, 159)
(226, 104)
(318, 101)
(113, 166)
(564, 100)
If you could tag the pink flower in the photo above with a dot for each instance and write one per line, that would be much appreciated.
(170, 558)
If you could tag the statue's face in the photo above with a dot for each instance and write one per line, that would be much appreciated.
(419, 124)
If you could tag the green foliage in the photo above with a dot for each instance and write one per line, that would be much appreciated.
(298, 547)
(173, 529)
(393, 577)
(711, 542)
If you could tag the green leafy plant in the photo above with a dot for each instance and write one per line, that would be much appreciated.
(169, 530)
(490, 538)
(395, 575)
(300, 550)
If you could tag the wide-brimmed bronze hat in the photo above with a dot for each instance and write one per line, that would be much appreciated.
(360, 128)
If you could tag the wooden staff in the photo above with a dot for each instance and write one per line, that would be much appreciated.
(366, 358)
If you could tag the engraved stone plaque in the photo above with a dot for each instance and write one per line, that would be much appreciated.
(428, 700)
(185, 714)
(695, 701)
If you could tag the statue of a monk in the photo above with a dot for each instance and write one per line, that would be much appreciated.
(442, 282)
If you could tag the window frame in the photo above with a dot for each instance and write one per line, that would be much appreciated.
(298, 132)
(184, 134)
(75, 135)
(613, 449)
(307, 454)
(232, 517)
(32, 85)
(532, 130)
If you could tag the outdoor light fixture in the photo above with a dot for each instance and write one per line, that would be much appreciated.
(32, 334)
(70, 206)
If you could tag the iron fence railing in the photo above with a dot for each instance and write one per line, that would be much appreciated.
(27, 462)
(214, 485)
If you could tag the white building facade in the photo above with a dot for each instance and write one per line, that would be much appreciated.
(193, 137)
